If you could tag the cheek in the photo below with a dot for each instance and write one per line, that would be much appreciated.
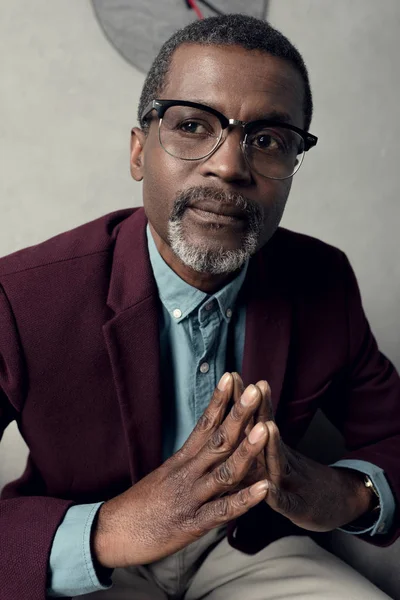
(162, 179)
(275, 194)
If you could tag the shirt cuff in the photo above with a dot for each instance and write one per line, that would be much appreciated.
(387, 503)
(71, 569)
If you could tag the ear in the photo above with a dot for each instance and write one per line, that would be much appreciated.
(138, 138)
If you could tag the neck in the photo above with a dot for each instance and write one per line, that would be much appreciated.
(206, 282)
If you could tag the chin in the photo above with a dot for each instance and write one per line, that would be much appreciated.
(210, 253)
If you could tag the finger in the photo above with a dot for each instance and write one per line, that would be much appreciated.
(276, 461)
(225, 509)
(238, 389)
(212, 417)
(226, 438)
(265, 412)
(249, 427)
(228, 475)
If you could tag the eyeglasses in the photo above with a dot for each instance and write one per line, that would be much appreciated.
(193, 131)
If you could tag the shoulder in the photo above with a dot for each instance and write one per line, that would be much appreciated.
(91, 239)
(304, 254)
(310, 267)
(293, 242)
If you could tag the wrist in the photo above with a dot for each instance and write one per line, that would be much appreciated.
(362, 498)
(103, 540)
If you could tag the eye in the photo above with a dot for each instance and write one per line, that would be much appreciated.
(194, 127)
(267, 141)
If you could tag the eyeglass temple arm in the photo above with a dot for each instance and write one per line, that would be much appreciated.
(151, 106)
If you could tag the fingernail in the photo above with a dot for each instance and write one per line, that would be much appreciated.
(263, 385)
(223, 382)
(257, 433)
(259, 488)
(249, 395)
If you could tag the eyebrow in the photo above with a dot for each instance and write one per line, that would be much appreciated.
(273, 115)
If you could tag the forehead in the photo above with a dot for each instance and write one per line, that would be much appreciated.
(243, 84)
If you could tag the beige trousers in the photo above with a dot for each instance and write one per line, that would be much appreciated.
(293, 567)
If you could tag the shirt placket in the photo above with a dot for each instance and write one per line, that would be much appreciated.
(209, 327)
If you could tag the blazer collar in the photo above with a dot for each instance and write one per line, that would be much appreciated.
(132, 341)
(132, 279)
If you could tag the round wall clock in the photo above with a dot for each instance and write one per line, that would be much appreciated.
(138, 28)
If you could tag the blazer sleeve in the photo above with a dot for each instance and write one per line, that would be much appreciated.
(28, 523)
(368, 410)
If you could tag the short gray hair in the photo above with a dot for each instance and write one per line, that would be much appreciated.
(226, 30)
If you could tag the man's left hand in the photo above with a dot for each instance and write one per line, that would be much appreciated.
(313, 496)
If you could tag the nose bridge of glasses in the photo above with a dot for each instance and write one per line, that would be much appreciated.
(235, 146)
(233, 124)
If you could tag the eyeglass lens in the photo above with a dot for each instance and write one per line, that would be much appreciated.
(192, 133)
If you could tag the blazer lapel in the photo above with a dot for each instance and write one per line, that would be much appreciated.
(268, 320)
(132, 340)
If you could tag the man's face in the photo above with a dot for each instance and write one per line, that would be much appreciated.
(184, 200)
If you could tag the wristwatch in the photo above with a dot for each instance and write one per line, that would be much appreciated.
(368, 519)
(368, 484)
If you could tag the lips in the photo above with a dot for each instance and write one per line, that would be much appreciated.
(219, 209)
(206, 218)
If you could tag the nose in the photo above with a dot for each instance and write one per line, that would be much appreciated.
(227, 161)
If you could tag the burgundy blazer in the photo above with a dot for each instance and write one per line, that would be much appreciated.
(79, 372)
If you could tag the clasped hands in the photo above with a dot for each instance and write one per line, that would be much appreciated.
(313, 496)
(233, 459)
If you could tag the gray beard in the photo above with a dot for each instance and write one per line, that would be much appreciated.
(204, 259)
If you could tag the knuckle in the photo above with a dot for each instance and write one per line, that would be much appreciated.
(287, 470)
(176, 476)
(193, 523)
(286, 502)
(204, 423)
(240, 499)
(236, 412)
(244, 451)
(180, 455)
(219, 441)
(217, 397)
(223, 475)
(222, 508)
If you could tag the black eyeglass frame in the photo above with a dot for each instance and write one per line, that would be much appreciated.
(161, 106)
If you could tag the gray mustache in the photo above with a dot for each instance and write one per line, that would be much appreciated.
(195, 194)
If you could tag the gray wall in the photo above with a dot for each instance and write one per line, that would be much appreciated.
(347, 191)
(67, 102)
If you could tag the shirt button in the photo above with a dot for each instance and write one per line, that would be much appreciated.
(229, 313)
(205, 367)
(209, 306)
(177, 313)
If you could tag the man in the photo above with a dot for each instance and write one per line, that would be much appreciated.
(121, 344)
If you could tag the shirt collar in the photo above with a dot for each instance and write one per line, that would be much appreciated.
(180, 298)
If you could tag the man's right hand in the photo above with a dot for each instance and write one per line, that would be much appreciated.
(194, 491)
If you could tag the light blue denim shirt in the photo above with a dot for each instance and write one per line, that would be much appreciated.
(194, 331)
